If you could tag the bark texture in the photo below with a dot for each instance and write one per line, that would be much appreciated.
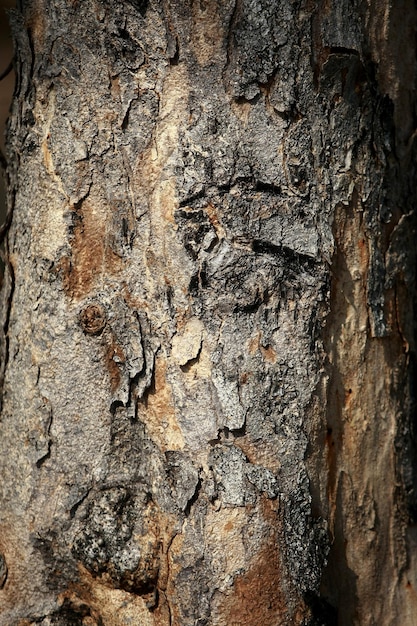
(208, 353)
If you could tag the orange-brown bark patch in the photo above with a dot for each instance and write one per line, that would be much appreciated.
(173, 568)
(107, 606)
(35, 22)
(254, 343)
(207, 32)
(114, 350)
(269, 354)
(135, 303)
(259, 595)
(214, 220)
(362, 409)
(91, 256)
(47, 156)
(264, 454)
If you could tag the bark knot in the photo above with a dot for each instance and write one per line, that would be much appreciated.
(93, 319)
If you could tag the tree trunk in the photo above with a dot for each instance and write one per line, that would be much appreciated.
(208, 352)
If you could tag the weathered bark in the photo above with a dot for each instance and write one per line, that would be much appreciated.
(208, 360)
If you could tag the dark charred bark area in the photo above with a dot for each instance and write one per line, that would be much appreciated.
(208, 315)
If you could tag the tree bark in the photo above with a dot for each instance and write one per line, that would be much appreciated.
(209, 359)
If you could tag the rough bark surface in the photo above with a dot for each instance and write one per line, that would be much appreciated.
(208, 357)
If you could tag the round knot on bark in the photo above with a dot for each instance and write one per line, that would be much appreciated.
(93, 319)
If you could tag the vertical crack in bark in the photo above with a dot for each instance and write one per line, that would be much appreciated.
(229, 39)
(8, 290)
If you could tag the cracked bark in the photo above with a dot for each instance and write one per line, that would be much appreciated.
(208, 351)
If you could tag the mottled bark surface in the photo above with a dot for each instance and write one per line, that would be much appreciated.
(208, 353)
